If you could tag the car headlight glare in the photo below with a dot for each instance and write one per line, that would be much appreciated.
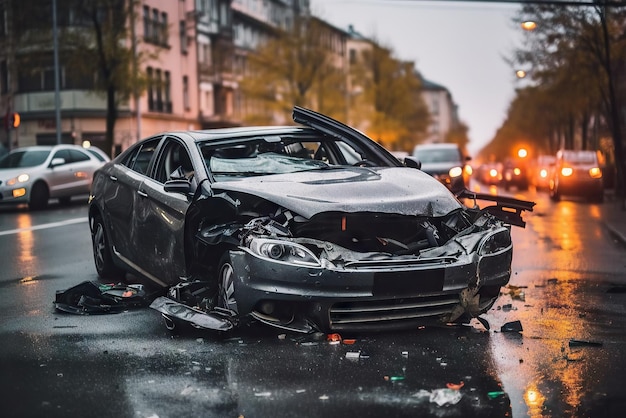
(543, 173)
(567, 171)
(455, 172)
(595, 173)
(284, 251)
(22, 178)
(517, 171)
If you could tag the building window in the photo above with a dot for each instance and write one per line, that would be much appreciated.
(183, 37)
(4, 77)
(3, 21)
(167, 85)
(147, 23)
(163, 30)
(186, 93)
(159, 90)
(150, 89)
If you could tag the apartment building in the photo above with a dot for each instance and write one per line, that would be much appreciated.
(192, 54)
(162, 41)
(443, 111)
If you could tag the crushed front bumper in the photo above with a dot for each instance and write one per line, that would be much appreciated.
(369, 295)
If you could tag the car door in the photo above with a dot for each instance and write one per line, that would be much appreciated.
(159, 217)
(74, 176)
(120, 193)
(61, 175)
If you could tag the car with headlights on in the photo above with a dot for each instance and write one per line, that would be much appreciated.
(35, 174)
(542, 171)
(446, 163)
(577, 173)
(304, 228)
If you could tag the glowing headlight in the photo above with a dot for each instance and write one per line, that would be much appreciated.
(567, 171)
(22, 178)
(595, 173)
(283, 251)
(455, 171)
(517, 171)
(543, 173)
(495, 242)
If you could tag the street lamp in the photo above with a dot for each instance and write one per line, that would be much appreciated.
(529, 25)
(521, 74)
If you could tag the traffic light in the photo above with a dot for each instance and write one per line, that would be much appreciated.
(16, 120)
(11, 120)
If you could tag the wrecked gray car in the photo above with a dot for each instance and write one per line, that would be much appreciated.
(306, 228)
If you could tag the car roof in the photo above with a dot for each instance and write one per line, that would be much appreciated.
(46, 147)
(237, 132)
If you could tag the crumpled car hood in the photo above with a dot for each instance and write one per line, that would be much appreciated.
(396, 190)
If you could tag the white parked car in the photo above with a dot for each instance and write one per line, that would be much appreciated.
(36, 174)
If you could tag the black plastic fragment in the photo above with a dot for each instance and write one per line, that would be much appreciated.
(90, 298)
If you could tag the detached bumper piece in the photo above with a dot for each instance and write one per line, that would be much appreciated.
(92, 298)
(175, 312)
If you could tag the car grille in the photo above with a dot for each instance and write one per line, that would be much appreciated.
(397, 311)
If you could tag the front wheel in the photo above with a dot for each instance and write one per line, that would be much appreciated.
(226, 284)
(39, 196)
(102, 251)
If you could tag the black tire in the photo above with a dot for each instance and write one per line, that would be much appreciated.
(39, 196)
(226, 282)
(102, 252)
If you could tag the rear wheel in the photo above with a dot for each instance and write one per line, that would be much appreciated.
(39, 196)
(102, 251)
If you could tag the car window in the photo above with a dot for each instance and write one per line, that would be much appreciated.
(174, 162)
(139, 159)
(77, 156)
(278, 155)
(63, 153)
(96, 154)
(438, 155)
(23, 159)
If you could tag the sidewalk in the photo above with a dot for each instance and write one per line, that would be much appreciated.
(613, 216)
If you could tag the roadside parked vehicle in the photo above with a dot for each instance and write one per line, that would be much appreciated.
(36, 174)
(446, 163)
(542, 171)
(577, 173)
(313, 227)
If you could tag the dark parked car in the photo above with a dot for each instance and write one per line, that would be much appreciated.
(446, 163)
(313, 227)
(577, 173)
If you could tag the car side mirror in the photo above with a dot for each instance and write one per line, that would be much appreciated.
(412, 162)
(178, 186)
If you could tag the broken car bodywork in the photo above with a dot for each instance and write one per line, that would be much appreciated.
(328, 246)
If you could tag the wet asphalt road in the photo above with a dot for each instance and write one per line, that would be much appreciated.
(569, 277)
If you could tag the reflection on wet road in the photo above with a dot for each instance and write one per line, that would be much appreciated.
(567, 289)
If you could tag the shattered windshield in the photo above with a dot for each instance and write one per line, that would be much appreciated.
(277, 155)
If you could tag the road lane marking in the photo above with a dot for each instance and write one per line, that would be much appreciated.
(44, 226)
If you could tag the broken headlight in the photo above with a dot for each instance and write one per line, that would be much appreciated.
(283, 251)
(495, 242)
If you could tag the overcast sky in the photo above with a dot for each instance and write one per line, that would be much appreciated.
(459, 45)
